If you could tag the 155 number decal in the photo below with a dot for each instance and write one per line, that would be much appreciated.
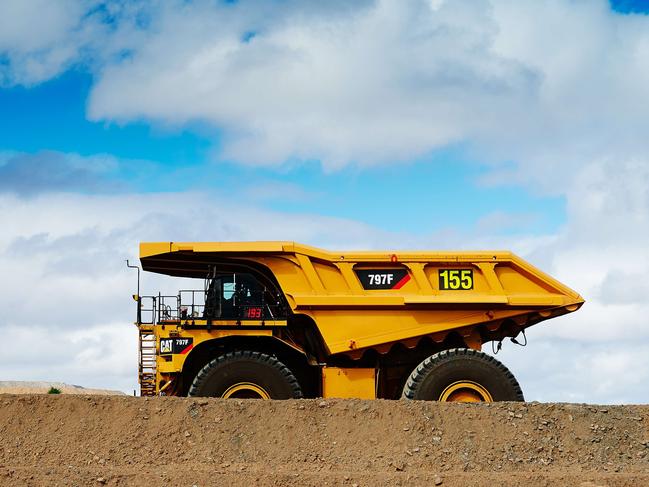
(456, 279)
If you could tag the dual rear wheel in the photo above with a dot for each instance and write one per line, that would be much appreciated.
(462, 375)
(455, 375)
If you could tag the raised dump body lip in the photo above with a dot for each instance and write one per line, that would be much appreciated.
(150, 249)
(506, 293)
(155, 257)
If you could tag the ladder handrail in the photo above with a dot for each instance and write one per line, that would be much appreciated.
(147, 357)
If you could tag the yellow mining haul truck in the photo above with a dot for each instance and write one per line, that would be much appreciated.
(282, 320)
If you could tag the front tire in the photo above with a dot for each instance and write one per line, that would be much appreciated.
(462, 375)
(246, 375)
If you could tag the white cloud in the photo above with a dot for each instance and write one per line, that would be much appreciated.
(40, 38)
(384, 82)
(65, 307)
(102, 355)
(601, 353)
(549, 85)
(575, 371)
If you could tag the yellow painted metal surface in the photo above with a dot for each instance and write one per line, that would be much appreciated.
(348, 383)
(167, 365)
(325, 286)
(246, 390)
(465, 391)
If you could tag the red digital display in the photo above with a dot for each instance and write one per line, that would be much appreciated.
(253, 313)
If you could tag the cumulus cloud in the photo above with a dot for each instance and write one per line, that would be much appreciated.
(385, 81)
(548, 85)
(391, 81)
(40, 39)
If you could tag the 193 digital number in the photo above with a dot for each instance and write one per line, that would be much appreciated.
(456, 279)
(253, 313)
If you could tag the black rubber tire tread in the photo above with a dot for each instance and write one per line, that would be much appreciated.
(436, 373)
(267, 364)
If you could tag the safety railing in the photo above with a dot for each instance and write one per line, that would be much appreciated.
(190, 304)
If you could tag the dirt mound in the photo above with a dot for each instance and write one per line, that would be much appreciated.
(42, 387)
(103, 440)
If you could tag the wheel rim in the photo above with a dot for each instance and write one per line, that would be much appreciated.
(245, 390)
(465, 391)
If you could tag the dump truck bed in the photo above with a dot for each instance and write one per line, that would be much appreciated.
(363, 300)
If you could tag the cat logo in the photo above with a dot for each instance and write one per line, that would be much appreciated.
(166, 346)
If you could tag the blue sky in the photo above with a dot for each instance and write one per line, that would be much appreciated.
(438, 191)
(630, 6)
(377, 124)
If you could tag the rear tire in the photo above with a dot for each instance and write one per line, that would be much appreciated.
(246, 374)
(462, 375)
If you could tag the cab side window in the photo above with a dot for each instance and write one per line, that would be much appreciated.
(241, 296)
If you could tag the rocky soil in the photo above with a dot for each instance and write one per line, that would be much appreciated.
(112, 440)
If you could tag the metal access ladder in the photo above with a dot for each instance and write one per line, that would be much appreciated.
(147, 360)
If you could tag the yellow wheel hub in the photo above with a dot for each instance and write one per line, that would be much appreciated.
(246, 390)
(465, 391)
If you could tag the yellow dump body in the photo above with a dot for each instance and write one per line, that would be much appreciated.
(373, 300)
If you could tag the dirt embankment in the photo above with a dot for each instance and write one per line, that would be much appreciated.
(42, 387)
(95, 440)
